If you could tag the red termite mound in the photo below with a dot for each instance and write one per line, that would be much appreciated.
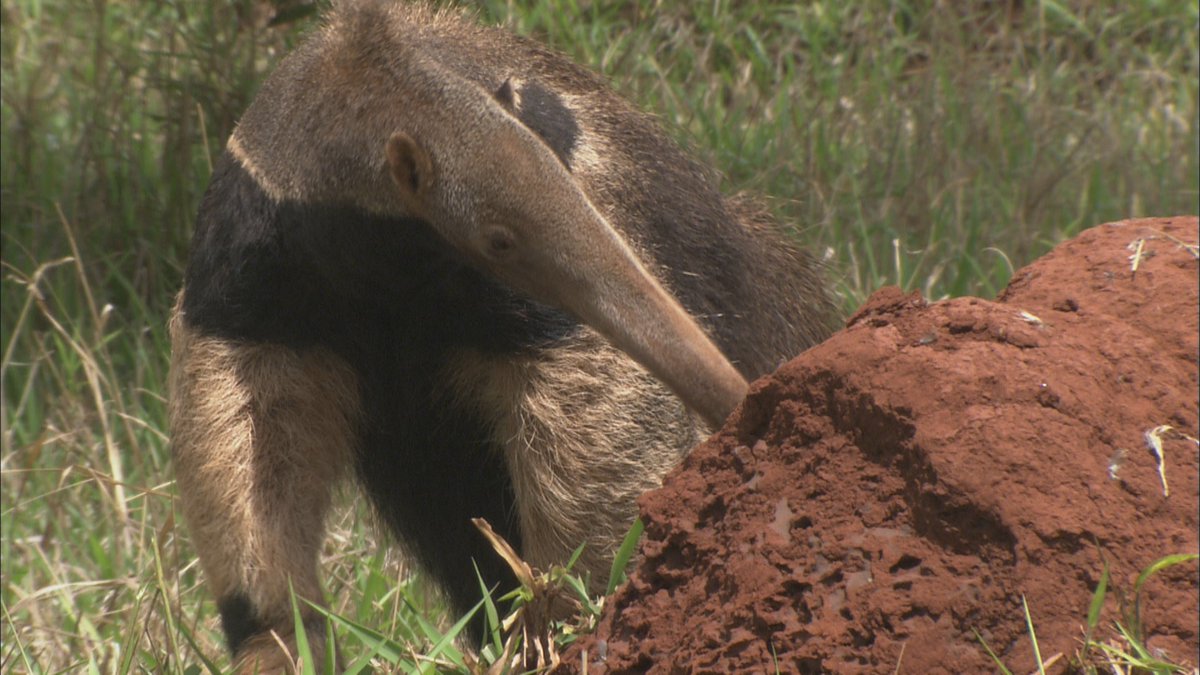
(894, 491)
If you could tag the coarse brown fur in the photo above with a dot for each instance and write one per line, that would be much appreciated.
(455, 261)
(392, 73)
(584, 430)
(260, 435)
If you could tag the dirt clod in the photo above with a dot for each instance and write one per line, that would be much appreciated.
(899, 488)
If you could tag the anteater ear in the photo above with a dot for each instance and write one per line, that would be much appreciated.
(411, 168)
(506, 96)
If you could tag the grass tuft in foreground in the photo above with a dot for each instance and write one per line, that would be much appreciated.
(1124, 654)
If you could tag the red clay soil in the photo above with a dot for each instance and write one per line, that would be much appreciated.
(897, 489)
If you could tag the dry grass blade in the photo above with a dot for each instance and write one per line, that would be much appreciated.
(1154, 440)
(1193, 249)
(519, 567)
(542, 598)
(1138, 246)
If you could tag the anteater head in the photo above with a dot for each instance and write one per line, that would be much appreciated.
(367, 113)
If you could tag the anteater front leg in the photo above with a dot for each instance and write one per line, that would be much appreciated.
(259, 433)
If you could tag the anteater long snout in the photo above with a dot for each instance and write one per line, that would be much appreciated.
(528, 223)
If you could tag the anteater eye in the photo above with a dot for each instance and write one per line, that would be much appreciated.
(499, 241)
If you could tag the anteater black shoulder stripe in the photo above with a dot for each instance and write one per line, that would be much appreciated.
(302, 274)
(544, 112)
(236, 259)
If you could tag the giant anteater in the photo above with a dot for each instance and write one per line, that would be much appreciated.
(457, 262)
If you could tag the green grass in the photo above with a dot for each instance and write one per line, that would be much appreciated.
(933, 145)
(1126, 652)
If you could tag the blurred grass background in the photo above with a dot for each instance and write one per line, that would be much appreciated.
(935, 145)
